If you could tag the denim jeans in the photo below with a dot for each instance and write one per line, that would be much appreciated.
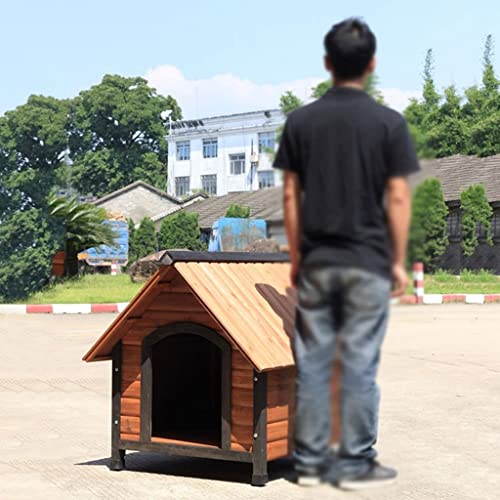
(348, 305)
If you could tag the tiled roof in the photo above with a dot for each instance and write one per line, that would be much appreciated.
(264, 203)
(458, 172)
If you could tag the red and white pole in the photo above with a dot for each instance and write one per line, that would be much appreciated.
(418, 281)
(114, 268)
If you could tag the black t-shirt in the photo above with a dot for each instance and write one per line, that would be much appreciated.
(344, 147)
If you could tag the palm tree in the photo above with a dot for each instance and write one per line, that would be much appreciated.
(83, 228)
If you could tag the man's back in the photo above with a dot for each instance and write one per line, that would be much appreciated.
(345, 146)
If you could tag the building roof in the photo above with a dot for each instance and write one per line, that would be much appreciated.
(458, 172)
(151, 188)
(264, 204)
(248, 295)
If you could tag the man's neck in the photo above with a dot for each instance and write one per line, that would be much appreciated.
(358, 84)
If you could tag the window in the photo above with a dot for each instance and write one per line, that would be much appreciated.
(266, 179)
(237, 164)
(183, 150)
(454, 231)
(266, 142)
(181, 186)
(209, 183)
(210, 148)
(495, 225)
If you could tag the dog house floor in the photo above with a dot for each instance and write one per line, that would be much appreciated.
(187, 390)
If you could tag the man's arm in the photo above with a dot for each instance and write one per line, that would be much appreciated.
(293, 223)
(398, 216)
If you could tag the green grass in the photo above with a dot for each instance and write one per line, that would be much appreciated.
(88, 289)
(468, 282)
(103, 288)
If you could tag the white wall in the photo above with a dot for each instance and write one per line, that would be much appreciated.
(233, 137)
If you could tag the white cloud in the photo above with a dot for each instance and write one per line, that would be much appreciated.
(227, 93)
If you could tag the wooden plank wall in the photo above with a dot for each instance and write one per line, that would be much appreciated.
(281, 410)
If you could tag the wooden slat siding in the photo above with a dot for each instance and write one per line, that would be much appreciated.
(177, 441)
(129, 437)
(241, 402)
(116, 330)
(130, 425)
(131, 407)
(280, 412)
(176, 301)
(278, 449)
(256, 328)
(131, 389)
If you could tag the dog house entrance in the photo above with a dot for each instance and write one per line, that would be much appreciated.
(186, 389)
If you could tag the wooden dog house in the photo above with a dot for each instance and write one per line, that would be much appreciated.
(202, 361)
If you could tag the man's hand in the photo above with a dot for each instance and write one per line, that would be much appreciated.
(294, 274)
(399, 280)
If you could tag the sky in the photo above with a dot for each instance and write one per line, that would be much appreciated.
(228, 56)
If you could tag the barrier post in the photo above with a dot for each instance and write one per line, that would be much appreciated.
(114, 268)
(418, 281)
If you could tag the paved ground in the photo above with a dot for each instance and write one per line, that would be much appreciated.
(440, 422)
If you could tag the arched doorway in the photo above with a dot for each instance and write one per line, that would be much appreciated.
(186, 379)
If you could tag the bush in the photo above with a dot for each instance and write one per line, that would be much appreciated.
(481, 276)
(238, 211)
(181, 230)
(477, 212)
(144, 241)
(428, 232)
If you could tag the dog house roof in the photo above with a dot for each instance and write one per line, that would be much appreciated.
(248, 294)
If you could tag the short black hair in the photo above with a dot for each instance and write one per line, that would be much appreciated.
(350, 46)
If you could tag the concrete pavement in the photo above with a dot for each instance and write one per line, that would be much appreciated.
(440, 423)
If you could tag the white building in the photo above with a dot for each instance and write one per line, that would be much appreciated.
(223, 154)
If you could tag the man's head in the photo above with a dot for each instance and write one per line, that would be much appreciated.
(350, 49)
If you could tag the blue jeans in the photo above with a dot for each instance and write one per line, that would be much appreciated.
(348, 305)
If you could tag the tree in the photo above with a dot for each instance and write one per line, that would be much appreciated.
(370, 88)
(428, 231)
(27, 243)
(117, 134)
(289, 102)
(132, 253)
(476, 216)
(238, 211)
(421, 115)
(83, 227)
(145, 240)
(180, 230)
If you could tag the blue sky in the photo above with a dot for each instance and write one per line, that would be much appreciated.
(216, 56)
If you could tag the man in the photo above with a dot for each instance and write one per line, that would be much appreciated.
(347, 211)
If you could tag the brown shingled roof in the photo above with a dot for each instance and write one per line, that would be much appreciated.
(248, 295)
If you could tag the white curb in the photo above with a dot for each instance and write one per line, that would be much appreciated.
(71, 308)
(433, 298)
(12, 309)
(121, 306)
(474, 298)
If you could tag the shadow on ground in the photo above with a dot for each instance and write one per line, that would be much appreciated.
(217, 470)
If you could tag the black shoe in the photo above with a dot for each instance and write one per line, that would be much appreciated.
(309, 477)
(376, 475)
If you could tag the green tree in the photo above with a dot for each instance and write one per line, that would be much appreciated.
(27, 243)
(145, 240)
(428, 231)
(180, 230)
(476, 216)
(370, 88)
(289, 102)
(132, 253)
(117, 134)
(238, 211)
(82, 228)
(422, 115)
